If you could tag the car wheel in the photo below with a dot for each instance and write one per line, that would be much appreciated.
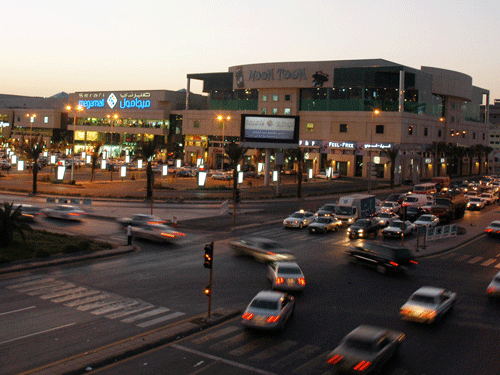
(381, 268)
(301, 225)
(336, 228)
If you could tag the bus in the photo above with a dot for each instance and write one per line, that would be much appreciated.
(426, 188)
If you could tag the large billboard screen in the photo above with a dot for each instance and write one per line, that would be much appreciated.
(270, 129)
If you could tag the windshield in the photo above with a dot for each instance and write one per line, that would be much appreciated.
(264, 304)
(323, 220)
(358, 344)
(412, 199)
(397, 224)
(387, 204)
(422, 299)
(328, 207)
(425, 218)
(298, 215)
(384, 215)
(361, 223)
(343, 210)
(289, 271)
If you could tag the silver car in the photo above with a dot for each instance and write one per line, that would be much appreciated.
(365, 350)
(428, 304)
(268, 310)
(141, 219)
(493, 289)
(66, 212)
(286, 276)
(299, 219)
(323, 224)
(157, 232)
(262, 249)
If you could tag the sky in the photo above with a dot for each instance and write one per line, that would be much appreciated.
(52, 46)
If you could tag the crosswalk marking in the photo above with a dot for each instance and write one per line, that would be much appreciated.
(62, 293)
(311, 367)
(86, 301)
(161, 319)
(47, 289)
(488, 262)
(297, 355)
(69, 297)
(274, 350)
(148, 314)
(30, 283)
(475, 260)
(129, 311)
(230, 342)
(462, 258)
(216, 334)
(252, 345)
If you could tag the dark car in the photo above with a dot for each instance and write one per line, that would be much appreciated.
(326, 210)
(363, 228)
(382, 256)
(413, 213)
(396, 197)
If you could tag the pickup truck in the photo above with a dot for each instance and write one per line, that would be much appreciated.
(427, 305)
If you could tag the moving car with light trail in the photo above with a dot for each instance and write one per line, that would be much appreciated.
(269, 310)
(493, 289)
(141, 219)
(65, 212)
(29, 212)
(397, 228)
(365, 350)
(299, 219)
(261, 249)
(363, 228)
(493, 229)
(286, 276)
(428, 304)
(157, 232)
(323, 224)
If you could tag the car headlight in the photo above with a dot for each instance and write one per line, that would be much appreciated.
(360, 230)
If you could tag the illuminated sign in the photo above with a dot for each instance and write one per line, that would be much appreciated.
(378, 145)
(351, 145)
(277, 74)
(280, 131)
(127, 100)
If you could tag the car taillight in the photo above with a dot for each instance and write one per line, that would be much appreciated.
(430, 314)
(73, 214)
(413, 261)
(362, 366)
(393, 264)
(180, 234)
(488, 230)
(169, 235)
(301, 281)
(491, 289)
(272, 319)
(404, 311)
(280, 280)
(247, 316)
(335, 359)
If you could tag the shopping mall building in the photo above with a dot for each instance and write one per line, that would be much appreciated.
(349, 113)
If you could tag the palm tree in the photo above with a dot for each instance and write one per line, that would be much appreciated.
(436, 148)
(297, 155)
(95, 155)
(234, 153)
(10, 222)
(148, 151)
(392, 154)
(482, 151)
(460, 153)
(470, 153)
(32, 149)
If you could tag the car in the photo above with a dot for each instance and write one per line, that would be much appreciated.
(365, 350)
(395, 197)
(156, 232)
(269, 310)
(299, 219)
(428, 304)
(65, 211)
(327, 209)
(141, 219)
(186, 172)
(390, 207)
(413, 213)
(335, 174)
(5, 165)
(286, 276)
(476, 203)
(363, 228)
(262, 249)
(223, 176)
(323, 224)
(471, 194)
(427, 220)
(384, 257)
(489, 198)
(29, 212)
(385, 218)
(493, 228)
(322, 174)
(493, 289)
(398, 227)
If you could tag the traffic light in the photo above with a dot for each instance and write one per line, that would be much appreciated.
(237, 196)
(208, 290)
(209, 252)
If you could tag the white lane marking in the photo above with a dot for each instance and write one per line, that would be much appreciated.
(463, 257)
(129, 311)
(475, 260)
(161, 319)
(14, 311)
(160, 310)
(36, 282)
(215, 358)
(37, 333)
(488, 262)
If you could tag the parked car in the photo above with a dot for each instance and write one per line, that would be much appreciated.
(262, 249)
(224, 176)
(269, 310)
(493, 228)
(324, 224)
(427, 220)
(398, 227)
(428, 304)
(382, 256)
(363, 228)
(365, 350)
(385, 218)
(5, 165)
(299, 219)
(65, 212)
(286, 276)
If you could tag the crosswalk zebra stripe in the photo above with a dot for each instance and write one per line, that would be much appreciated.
(216, 334)
(297, 355)
(145, 315)
(160, 320)
(86, 301)
(29, 283)
(69, 297)
(230, 342)
(274, 350)
(35, 288)
(62, 293)
(51, 289)
(114, 306)
(475, 260)
(252, 345)
(130, 311)
(488, 262)
(312, 366)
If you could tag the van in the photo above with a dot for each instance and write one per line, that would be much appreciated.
(382, 256)
(417, 200)
(426, 188)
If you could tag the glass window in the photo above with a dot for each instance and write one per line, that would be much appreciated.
(343, 128)
(426, 132)
(379, 129)
(474, 135)
(264, 111)
(452, 119)
(310, 127)
(196, 123)
(264, 98)
(275, 98)
(410, 130)
(46, 119)
(439, 133)
(288, 98)
(275, 111)
(287, 111)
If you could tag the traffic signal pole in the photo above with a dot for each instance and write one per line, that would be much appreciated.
(210, 294)
(208, 263)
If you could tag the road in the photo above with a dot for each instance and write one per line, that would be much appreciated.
(62, 311)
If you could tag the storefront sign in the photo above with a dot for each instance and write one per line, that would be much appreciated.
(349, 145)
(124, 100)
(378, 145)
(277, 74)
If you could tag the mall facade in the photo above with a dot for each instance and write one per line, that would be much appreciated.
(351, 115)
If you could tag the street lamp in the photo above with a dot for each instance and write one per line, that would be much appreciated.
(111, 118)
(374, 112)
(31, 120)
(221, 119)
(77, 108)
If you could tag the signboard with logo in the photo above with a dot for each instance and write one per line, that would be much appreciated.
(262, 131)
(115, 100)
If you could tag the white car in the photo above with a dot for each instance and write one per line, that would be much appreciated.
(488, 197)
(385, 218)
(268, 310)
(390, 207)
(476, 203)
(261, 249)
(224, 176)
(493, 289)
(286, 276)
(397, 227)
(157, 232)
(471, 194)
(428, 304)
(324, 224)
(493, 229)
(427, 220)
(65, 212)
(365, 350)
(299, 219)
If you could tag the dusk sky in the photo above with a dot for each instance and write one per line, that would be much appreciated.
(53, 46)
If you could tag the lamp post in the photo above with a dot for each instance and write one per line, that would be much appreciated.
(112, 118)
(221, 120)
(77, 108)
(31, 120)
(374, 112)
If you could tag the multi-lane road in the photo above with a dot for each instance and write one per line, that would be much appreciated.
(50, 314)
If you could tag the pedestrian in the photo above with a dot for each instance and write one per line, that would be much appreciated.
(129, 235)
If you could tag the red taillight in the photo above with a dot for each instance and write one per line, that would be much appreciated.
(180, 234)
(73, 214)
(247, 316)
(413, 261)
(362, 366)
(272, 319)
(156, 222)
(271, 253)
(301, 281)
(280, 280)
(169, 235)
(491, 290)
(335, 359)
(393, 264)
